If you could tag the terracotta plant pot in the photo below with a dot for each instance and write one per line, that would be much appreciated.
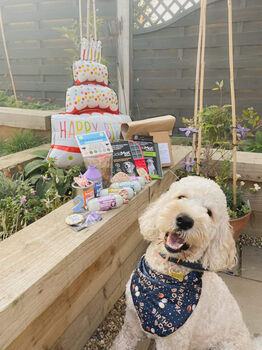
(239, 224)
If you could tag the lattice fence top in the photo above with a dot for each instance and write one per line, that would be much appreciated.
(150, 14)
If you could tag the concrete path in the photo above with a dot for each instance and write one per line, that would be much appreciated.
(247, 289)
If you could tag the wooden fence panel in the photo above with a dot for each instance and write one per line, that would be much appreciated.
(165, 59)
(39, 58)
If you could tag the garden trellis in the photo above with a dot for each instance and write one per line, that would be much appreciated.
(199, 112)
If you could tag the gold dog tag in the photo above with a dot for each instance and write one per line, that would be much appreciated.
(177, 275)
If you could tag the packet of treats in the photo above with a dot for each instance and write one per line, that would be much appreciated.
(96, 150)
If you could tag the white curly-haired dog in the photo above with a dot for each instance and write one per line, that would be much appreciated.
(169, 297)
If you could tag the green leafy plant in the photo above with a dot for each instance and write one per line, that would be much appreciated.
(7, 100)
(216, 152)
(21, 141)
(48, 180)
(34, 192)
(253, 144)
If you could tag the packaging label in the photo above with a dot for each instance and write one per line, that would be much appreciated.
(98, 187)
(121, 191)
(126, 184)
(88, 194)
(108, 203)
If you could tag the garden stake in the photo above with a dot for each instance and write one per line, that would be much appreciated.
(197, 77)
(6, 54)
(80, 19)
(233, 101)
(202, 76)
(88, 20)
(94, 13)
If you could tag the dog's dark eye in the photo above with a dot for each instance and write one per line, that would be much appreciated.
(180, 197)
(209, 212)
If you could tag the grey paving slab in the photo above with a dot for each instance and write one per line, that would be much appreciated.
(248, 294)
(252, 263)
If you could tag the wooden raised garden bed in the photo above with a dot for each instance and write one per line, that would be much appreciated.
(12, 161)
(57, 285)
(17, 119)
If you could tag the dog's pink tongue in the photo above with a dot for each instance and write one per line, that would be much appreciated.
(174, 241)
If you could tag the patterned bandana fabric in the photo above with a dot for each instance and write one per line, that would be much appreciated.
(163, 303)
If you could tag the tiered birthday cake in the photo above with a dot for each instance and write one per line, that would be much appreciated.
(90, 106)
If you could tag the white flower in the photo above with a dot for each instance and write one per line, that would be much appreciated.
(238, 176)
(242, 183)
(256, 187)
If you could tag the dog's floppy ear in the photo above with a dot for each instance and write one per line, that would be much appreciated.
(148, 219)
(221, 252)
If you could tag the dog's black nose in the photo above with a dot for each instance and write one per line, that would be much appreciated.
(184, 222)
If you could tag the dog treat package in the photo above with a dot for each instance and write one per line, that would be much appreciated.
(96, 150)
(122, 159)
(151, 155)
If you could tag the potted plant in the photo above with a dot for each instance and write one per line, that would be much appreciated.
(216, 155)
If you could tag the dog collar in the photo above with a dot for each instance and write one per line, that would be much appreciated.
(193, 266)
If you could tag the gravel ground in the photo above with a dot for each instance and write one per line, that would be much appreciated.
(250, 241)
(109, 328)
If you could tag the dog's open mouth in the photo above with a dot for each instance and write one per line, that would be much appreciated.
(174, 243)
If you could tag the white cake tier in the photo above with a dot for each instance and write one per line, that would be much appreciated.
(90, 72)
(83, 97)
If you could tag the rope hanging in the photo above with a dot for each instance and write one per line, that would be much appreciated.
(7, 56)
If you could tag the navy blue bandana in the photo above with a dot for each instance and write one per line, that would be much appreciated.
(163, 303)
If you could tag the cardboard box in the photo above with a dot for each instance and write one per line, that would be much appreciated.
(160, 128)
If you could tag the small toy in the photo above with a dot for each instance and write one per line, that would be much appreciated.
(79, 207)
(74, 219)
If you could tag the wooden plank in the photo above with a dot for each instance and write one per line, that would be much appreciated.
(249, 165)
(79, 251)
(240, 39)
(26, 118)
(67, 307)
(109, 49)
(150, 99)
(188, 83)
(219, 15)
(11, 161)
(160, 64)
(254, 227)
(86, 323)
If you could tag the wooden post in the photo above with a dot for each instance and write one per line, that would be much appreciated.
(88, 20)
(233, 100)
(6, 54)
(80, 19)
(197, 77)
(202, 76)
(124, 63)
(94, 14)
